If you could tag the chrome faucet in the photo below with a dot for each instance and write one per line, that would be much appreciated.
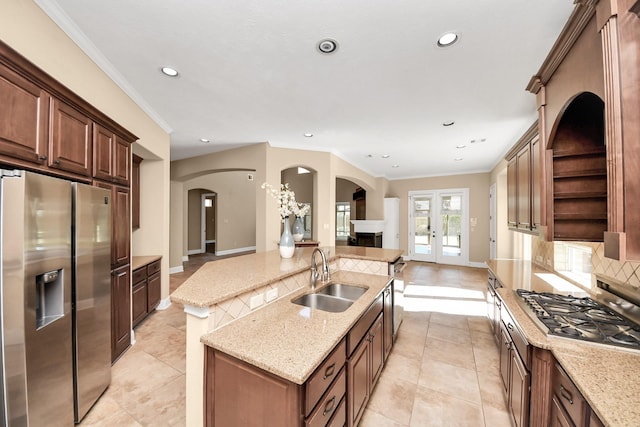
(325, 276)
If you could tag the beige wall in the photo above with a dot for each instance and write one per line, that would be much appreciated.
(235, 205)
(478, 185)
(301, 184)
(27, 29)
(504, 236)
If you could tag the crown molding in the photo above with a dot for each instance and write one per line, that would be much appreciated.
(580, 17)
(53, 10)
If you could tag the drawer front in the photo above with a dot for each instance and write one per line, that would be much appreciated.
(568, 395)
(519, 341)
(340, 415)
(153, 267)
(362, 326)
(322, 378)
(329, 404)
(139, 275)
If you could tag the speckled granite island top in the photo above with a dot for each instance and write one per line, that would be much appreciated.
(290, 340)
(220, 280)
(142, 260)
(606, 376)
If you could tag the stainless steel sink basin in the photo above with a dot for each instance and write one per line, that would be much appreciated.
(343, 291)
(323, 302)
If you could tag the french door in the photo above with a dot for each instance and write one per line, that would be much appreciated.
(438, 226)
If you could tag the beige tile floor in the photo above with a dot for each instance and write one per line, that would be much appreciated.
(443, 370)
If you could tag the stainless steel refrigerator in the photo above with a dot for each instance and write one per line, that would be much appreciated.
(38, 235)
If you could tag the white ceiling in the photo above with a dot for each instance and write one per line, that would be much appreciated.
(250, 72)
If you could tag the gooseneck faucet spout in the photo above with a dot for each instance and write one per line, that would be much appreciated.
(325, 276)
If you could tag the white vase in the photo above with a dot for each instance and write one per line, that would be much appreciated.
(287, 244)
(298, 229)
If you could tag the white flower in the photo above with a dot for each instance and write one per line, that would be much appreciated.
(301, 209)
(286, 199)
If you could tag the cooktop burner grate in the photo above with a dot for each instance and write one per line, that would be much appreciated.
(580, 318)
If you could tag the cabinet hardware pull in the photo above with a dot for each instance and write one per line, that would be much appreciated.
(510, 327)
(56, 161)
(43, 157)
(564, 393)
(329, 406)
(329, 371)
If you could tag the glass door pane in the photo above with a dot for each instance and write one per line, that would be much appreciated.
(422, 230)
(451, 221)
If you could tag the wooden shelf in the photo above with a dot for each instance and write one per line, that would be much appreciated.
(580, 216)
(577, 174)
(580, 195)
(596, 152)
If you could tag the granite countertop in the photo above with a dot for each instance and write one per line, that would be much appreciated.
(140, 261)
(220, 280)
(605, 375)
(290, 340)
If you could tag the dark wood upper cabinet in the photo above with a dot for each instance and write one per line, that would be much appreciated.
(70, 144)
(24, 120)
(135, 192)
(111, 157)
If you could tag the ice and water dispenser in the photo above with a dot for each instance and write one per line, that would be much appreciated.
(49, 297)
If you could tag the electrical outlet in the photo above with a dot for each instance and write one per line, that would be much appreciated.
(272, 294)
(549, 262)
(256, 301)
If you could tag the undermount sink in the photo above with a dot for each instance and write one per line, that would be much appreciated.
(334, 298)
(343, 291)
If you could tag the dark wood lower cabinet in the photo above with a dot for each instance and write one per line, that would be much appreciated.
(559, 417)
(519, 391)
(120, 311)
(146, 290)
(358, 369)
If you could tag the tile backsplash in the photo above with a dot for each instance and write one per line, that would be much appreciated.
(624, 272)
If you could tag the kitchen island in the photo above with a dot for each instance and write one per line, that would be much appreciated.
(224, 305)
(605, 375)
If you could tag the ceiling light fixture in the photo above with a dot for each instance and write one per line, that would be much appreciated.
(204, 140)
(447, 124)
(308, 135)
(168, 71)
(461, 146)
(447, 39)
(385, 156)
(473, 141)
(457, 159)
(395, 166)
(327, 46)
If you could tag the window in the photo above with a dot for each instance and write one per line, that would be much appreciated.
(573, 261)
(343, 220)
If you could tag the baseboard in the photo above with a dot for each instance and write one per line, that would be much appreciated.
(164, 303)
(133, 337)
(235, 251)
(210, 241)
(478, 264)
(185, 258)
(174, 270)
(195, 251)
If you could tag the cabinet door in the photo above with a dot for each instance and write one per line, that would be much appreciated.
(153, 292)
(135, 191)
(103, 146)
(536, 182)
(24, 118)
(524, 188)
(358, 379)
(139, 302)
(377, 350)
(70, 144)
(121, 225)
(558, 416)
(505, 358)
(122, 161)
(497, 321)
(120, 311)
(519, 391)
(388, 320)
(512, 193)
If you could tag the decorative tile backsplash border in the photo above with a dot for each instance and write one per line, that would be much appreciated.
(240, 305)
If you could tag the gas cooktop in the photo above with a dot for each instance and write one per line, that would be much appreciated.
(580, 318)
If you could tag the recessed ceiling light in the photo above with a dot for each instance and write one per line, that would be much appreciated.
(447, 39)
(474, 141)
(308, 135)
(395, 166)
(447, 124)
(327, 46)
(204, 140)
(171, 72)
(385, 156)
(457, 159)
(460, 146)
(369, 156)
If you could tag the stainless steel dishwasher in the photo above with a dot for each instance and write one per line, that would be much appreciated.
(396, 269)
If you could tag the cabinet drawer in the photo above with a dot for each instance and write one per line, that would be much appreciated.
(362, 326)
(340, 415)
(318, 383)
(139, 275)
(519, 341)
(568, 395)
(153, 267)
(329, 404)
